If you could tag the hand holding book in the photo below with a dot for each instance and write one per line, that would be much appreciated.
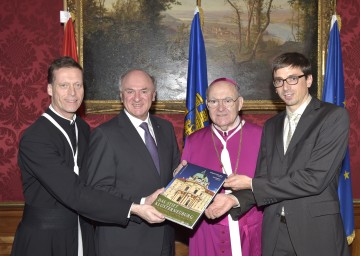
(180, 166)
(151, 198)
(147, 213)
(221, 205)
(238, 182)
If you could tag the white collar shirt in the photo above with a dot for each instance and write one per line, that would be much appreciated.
(136, 122)
(298, 112)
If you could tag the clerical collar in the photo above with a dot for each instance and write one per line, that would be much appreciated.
(230, 131)
(70, 120)
(65, 123)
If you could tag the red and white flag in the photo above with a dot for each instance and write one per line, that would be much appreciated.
(69, 46)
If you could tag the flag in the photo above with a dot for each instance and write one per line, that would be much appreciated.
(196, 116)
(334, 92)
(69, 46)
(69, 49)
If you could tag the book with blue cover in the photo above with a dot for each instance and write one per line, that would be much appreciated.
(188, 194)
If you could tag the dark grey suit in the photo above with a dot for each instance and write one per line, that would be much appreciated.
(120, 163)
(304, 181)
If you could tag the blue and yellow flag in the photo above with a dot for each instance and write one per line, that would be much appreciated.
(334, 92)
(196, 116)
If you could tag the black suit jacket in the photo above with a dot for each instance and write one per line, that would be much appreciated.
(304, 181)
(120, 163)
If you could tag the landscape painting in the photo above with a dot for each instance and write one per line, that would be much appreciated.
(241, 38)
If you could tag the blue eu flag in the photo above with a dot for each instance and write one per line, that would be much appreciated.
(196, 116)
(333, 92)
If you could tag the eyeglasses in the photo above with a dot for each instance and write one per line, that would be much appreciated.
(291, 80)
(227, 102)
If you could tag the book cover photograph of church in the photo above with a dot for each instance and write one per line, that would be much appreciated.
(188, 194)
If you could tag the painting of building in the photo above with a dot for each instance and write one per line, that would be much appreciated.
(191, 193)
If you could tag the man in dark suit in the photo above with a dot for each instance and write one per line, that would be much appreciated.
(51, 155)
(120, 163)
(297, 170)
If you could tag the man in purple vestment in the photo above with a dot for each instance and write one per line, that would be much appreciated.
(230, 145)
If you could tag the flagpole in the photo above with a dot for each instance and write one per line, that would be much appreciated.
(65, 6)
(201, 13)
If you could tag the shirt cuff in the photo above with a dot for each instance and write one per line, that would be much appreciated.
(129, 213)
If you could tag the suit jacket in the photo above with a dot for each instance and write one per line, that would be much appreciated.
(51, 187)
(304, 181)
(120, 163)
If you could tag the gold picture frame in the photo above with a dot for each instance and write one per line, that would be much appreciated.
(325, 9)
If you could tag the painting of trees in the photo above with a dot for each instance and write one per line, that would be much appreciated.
(127, 34)
(241, 38)
(257, 31)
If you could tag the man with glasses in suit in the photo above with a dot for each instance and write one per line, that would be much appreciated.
(298, 168)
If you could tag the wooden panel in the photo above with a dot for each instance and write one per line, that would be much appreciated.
(181, 249)
(355, 246)
(10, 216)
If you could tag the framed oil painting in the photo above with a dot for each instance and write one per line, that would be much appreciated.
(241, 38)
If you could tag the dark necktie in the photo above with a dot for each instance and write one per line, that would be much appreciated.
(151, 146)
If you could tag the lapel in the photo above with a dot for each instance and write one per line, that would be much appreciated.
(83, 139)
(303, 124)
(279, 126)
(134, 141)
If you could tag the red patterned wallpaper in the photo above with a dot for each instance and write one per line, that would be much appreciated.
(350, 38)
(31, 37)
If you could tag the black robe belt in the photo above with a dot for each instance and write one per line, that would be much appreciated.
(43, 218)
